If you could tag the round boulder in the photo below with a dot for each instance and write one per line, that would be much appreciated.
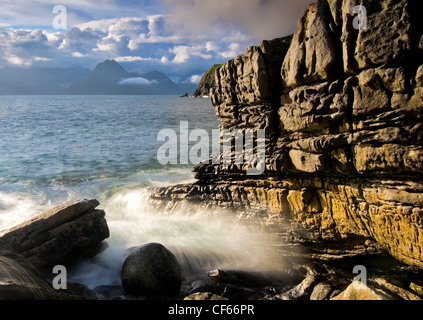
(152, 271)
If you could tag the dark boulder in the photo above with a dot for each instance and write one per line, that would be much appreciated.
(151, 271)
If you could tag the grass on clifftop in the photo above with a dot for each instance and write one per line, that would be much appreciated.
(207, 81)
(208, 76)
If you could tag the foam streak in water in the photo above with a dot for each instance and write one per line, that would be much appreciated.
(201, 241)
(19, 207)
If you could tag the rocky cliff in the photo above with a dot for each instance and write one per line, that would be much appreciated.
(207, 82)
(342, 106)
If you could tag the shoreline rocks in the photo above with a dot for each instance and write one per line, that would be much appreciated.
(313, 280)
(58, 235)
(20, 280)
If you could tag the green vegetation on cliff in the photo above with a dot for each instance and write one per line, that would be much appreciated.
(207, 82)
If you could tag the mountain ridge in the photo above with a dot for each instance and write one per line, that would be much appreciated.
(108, 78)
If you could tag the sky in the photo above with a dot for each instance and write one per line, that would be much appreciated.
(178, 37)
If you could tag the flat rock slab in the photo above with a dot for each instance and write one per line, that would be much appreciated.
(55, 235)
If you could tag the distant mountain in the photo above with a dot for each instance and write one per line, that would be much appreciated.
(109, 77)
(40, 80)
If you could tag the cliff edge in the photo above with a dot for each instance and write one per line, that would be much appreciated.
(207, 82)
(342, 106)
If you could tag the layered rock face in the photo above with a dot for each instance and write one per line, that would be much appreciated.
(59, 234)
(342, 106)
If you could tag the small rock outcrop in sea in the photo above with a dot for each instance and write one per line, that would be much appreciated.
(58, 235)
(342, 107)
(151, 271)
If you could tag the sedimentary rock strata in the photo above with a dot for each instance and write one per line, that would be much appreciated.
(342, 108)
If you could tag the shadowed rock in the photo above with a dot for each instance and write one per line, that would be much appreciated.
(59, 234)
(20, 280)
(152, 271)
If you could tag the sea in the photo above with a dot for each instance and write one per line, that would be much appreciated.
(55, 149)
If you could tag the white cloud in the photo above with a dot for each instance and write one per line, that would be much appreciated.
(23, 61)
(125, 28)
(137, 82)
(105, 47)
(184, 53)
(100, 25)
(176, 37)
(55, 37)
(146, 41)
(181, 54)
(231, 51)
(39, 12)
(131, 30)
(211, 46)
(24, 47)
(64, 44)
(132, 45)
(132, 59)
(77, 54)
(42, 59)
(195, 79)
(15, 60)
(21, 37)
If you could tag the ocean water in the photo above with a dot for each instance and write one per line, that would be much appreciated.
(55, 149)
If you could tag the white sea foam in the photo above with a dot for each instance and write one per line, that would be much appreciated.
(57, 149)
(201, 241)
(17, 207)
